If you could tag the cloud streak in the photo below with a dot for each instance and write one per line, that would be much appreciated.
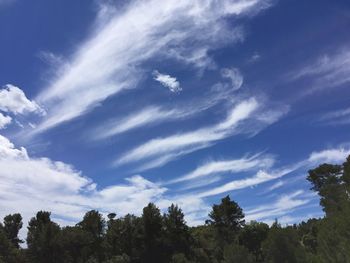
(328, 71)
(228, 166)
(168, 148)
(109, 61)
(285, 204)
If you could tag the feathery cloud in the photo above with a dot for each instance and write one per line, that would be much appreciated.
(167, 81)
(152, 115)
(227, 166)
(168, 148)
(336, 155)
(328, 71)
(260, 177)
(109, 62)
(234, 75)
(285, 204)
(337, 117)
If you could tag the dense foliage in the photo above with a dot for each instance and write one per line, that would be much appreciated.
(225, 237)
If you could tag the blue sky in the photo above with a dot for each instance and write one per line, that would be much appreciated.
(110, 105)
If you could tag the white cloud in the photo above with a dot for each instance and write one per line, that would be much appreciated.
(152, 115)
(227, 166)
(30, 184)
(169, 148)
(146, 116)
(4, 120)
(328, 71)
(260, 177)
(275, 186)
(110, 60)
(167, 81)
(284, 205)
(254, 58)
(234, 75)
(13, 100)
(341, 116)
(337, 155)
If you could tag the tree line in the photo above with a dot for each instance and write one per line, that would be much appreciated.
(161, 238)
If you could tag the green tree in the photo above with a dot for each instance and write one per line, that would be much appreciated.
(331, 182)
(176, 232)
(237, 254)
(94, 224)
(282, 246)
(8, 252)
(252, 236)
(118, 259)
(42, 239)
(227, 218)
(125, 235)
(12, 225)
(327, 181)
(152, 233)
(75, 244)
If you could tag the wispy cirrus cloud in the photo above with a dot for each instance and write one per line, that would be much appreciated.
(260, 177)
(109, 61)
(171, 147)
(284, 205)
(235, 77)
(213, 168)
(146, 116)
(156, 114)
(336, 117)
(333, 155)
(328, 71)
(160, 151)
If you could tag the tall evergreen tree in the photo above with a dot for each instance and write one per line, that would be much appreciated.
(152, 227)
(42, 239)
(252, 236)
(176, 232)
(12, 225)
(227, 218)
(94, 224)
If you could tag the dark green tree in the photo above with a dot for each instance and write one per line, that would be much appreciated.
(327, 182)
(227, 218)
(176, 233)
(9, 253)
(75, 244)
(12, 225)
(252, 236)
(152, 234)
(125, 236)
(237, 254)
(283, 246)
(94, 224)
(331, 182)
(42, 239)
